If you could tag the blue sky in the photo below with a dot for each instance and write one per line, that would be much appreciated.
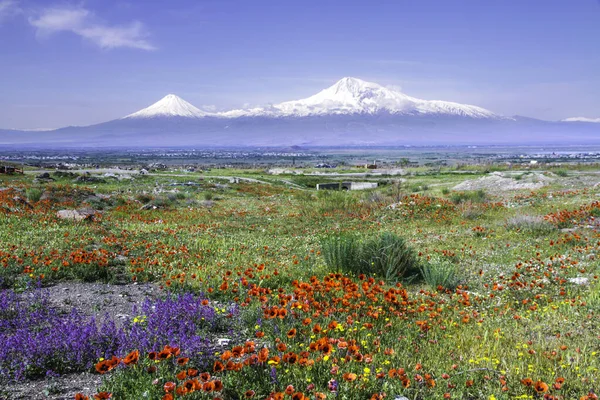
(82, 62)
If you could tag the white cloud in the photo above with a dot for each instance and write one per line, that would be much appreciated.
(209, 107)
(82, 22)
(8, 8)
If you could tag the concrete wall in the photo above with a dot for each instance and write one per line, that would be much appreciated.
(347, 186)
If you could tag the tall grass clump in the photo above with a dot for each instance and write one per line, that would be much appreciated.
(477, 196)
(387, 256)
(342, 253)
(440, 274)
(331, 201)
(33, 194)
(561, 172)
(533, 225)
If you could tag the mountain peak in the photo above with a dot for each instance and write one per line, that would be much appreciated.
(353, 86)
(169, 106)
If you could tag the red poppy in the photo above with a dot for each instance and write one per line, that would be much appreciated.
(218, 366)
(182, 360)
(169, 387)
(132, 358)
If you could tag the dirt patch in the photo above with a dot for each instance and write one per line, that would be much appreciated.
(497, 181)
(60, 388)
(100, 299)
(96, 300)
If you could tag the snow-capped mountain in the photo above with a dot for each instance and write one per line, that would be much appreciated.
(582, 119)
(355, 96)
(169, 106)
(351, 112)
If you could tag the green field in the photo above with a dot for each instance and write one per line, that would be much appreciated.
(412, 289)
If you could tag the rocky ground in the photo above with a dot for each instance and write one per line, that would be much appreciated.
(96, 300)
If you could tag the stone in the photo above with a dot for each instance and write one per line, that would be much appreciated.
(84, 214)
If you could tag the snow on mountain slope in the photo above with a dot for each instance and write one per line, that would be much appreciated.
(355, 96)
(169, 106)
(582, 119)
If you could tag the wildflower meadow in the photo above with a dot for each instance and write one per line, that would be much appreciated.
(272, 290)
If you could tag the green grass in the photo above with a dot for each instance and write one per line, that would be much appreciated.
(504, 286)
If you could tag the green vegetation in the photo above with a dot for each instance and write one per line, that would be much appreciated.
(505, 305)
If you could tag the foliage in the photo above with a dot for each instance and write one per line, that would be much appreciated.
(387, 256)
(477, 196)
(37, 338)
(33, 195)
(440, 273)
(533, 225)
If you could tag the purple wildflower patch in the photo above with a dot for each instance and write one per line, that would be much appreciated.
(37, 339)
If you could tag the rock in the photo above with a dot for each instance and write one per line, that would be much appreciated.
(86, 214)
(207, 203)
(44, 177)
(148, 207)
(580, 280)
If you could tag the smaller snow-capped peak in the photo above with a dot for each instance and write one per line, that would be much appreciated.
(355, 96)
(169, 106)
(582, 119)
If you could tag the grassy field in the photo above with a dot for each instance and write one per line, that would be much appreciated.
(413, 289)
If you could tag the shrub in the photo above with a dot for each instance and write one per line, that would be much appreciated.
(478, 196)
(440, 274)
(208, 196)
(33, 194)
(387, 256)
(561, 172)
(445, 191)
(469, 210)
(530, 224)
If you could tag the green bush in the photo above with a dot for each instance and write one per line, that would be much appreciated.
(561, 172)
(440, 274)
(387, 256)
(33, 194)
(478, 196)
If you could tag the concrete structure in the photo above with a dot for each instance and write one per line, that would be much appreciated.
(10, 169)
(347, 186)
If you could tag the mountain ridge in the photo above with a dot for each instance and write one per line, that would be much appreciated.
(351, 112)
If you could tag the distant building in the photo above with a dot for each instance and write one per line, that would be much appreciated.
(346, 185)
(10, 169)
(324, 165)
